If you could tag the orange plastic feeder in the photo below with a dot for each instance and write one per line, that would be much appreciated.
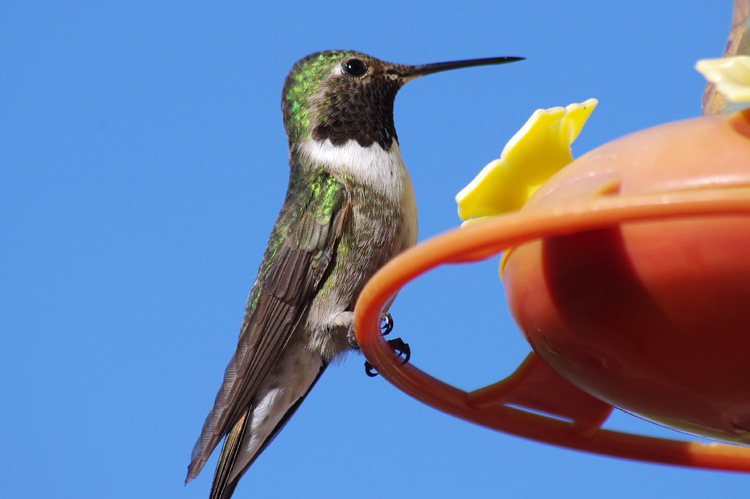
(636, 295)
(629, 275)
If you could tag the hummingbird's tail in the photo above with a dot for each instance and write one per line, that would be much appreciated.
(255, 430)
(222, 487)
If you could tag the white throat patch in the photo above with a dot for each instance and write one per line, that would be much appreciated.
(382, 170)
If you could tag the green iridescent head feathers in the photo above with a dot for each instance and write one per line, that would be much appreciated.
(301, 85)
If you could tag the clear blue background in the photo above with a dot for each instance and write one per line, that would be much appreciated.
(142, 164)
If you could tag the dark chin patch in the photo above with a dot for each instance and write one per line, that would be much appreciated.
(361, 111)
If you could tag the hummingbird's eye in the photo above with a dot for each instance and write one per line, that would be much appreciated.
(355, 67)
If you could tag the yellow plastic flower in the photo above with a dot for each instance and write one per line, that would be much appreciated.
(538, 150)
(731, 75)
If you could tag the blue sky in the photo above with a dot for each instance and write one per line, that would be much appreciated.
(143, 163)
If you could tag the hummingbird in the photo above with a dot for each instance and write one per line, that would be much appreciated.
(349, 208)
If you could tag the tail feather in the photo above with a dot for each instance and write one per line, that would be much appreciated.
(232, 463)
(222, 487)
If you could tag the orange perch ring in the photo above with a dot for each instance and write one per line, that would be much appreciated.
(575, 417)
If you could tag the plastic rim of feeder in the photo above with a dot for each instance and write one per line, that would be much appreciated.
(534, 385)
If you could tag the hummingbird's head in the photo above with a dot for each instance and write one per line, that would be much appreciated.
(342, 95)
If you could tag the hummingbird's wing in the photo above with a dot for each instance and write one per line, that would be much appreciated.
(299, 252)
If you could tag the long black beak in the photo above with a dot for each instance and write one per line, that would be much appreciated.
(425, 69)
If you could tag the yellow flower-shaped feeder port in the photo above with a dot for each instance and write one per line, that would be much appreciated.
(731, 75)
(536, 152)
(542, 146)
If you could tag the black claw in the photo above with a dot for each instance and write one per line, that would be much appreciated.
(386, 324)
(369, 370)
(352, 339)
(399, 347)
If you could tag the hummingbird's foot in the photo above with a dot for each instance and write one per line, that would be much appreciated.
(352, 338)
(386, 323)
(386, 326)
(401, 349)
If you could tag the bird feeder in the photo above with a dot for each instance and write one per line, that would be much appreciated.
(627, 272)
